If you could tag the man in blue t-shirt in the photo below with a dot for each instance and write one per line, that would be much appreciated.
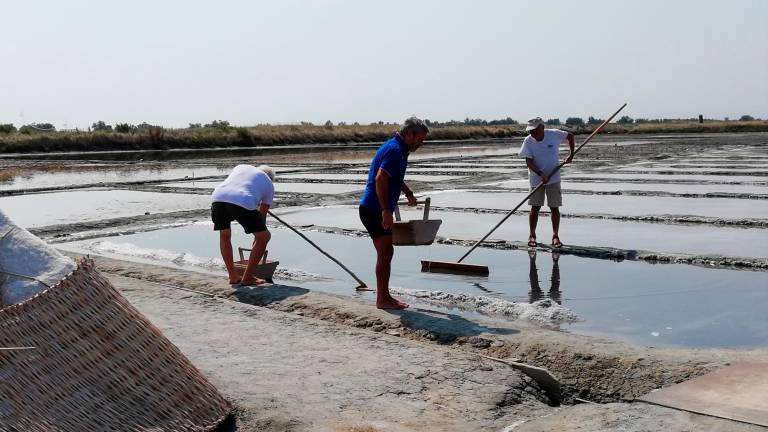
(385, 183)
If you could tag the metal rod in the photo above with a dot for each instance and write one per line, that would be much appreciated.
(511, 212)
(362, 284)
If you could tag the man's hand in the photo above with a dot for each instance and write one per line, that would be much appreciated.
(569, 159)
(386, 221)
(411, 200)
(544, 178)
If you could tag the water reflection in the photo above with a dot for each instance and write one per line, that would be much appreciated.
(535, 294)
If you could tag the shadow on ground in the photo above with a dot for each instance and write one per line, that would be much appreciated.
(264, 295)
(446, 327)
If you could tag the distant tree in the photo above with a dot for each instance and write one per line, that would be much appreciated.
(195, 126)
(37, 127)
(341, 123)
(218, 124)
(574, 121)
(146, 126)
(641, 121)
(124, 127)
(328, 125)
(746, 117)
(594, 121)
(7, 128)
(101, 126)
(505, 121)
(625, 120)
(553, 122)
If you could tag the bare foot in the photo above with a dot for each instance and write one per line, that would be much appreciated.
(252, 282)
(234, 281)
(391, 303)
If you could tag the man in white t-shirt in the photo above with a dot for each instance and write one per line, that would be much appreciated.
(541, 152)
(245, 196)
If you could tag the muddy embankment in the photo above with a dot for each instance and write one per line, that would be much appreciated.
(588, 368)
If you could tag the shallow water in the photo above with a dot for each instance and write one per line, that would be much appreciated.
(574, 185)
(671, 177)
(320, 188)
(50, 179)
(90, 205)
(684, 305)
(364, 176)
(615, 204)
(694, 239)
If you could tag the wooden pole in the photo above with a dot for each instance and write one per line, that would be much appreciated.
(589, 138)
(362, 284)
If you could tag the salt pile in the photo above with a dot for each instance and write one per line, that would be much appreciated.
(544, 311)
(27, 264)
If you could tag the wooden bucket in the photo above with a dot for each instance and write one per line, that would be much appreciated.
(264, 270)
(415, 232)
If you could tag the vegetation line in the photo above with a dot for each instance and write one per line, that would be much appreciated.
(220, 134)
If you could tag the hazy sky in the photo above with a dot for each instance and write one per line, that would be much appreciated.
(174, 62)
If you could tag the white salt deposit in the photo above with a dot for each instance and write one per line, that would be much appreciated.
(544, 311)
(28, 264)
(186, 260)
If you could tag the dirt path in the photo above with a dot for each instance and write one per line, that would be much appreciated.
(288, 372)
(312, 361)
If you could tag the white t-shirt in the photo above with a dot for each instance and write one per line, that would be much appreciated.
(545, 153)
(247, 187)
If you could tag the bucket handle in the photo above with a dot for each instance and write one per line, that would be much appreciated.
(426, 203)
(242, 257)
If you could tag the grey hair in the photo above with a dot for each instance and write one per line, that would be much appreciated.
(268, 171)
(415, 125)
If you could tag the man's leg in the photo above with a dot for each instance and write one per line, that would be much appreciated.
(554, 201)
(225, 244)
(384, 253)
(555, 224)
(260, 240)
(533, 219)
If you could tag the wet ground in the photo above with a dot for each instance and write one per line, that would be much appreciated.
(674, 199)
(663, 277)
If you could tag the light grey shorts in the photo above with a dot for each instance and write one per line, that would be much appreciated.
(553, 193)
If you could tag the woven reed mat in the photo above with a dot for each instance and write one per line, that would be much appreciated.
(99, 365)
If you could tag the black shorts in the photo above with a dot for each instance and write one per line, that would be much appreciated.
(223, 214)
(372, 221)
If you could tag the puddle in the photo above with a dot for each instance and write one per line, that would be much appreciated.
(615, 204)
(364, 176)
(319, 188)
(671, 177)
(673, 305)
(695, 239)
(570, 185)
(51, 179)
(423, 170)
(38, 210)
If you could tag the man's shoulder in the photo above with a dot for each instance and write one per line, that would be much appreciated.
(555, 132)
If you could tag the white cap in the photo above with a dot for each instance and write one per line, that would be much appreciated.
(268, 171)
(534, 123)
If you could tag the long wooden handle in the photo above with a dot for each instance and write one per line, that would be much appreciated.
(511, 212)
(362, 284)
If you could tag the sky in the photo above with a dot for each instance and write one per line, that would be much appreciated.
(173, 62)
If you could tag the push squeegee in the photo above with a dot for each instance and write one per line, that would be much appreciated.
(461, 268)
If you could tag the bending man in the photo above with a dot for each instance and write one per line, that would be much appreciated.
(385, 183)
(244, 196)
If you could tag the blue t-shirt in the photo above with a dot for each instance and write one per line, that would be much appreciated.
(392, 157)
